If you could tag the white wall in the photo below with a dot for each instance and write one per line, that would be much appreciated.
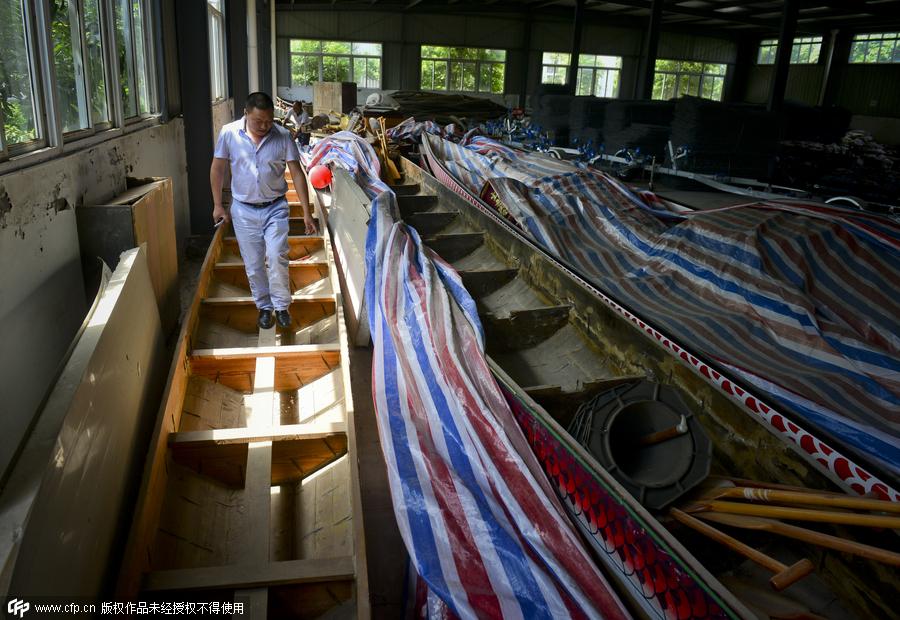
(42, 297)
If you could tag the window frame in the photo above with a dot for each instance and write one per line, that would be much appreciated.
(36, 75)
(596, 69)
(866, 38)
(551, 65)
(797, 46)
(51, 141)
(216, 13)
(351, 58)
(92, 128)
(449, 62)
(680, 74)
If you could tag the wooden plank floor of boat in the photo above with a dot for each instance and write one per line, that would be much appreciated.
(251, 493)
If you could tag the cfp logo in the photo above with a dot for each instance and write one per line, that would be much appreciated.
(17, 608)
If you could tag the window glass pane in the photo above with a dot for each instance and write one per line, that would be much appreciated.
(553, 75)
(367, 49)
(440, 76)
(335, 47)
(373, 73)
(612, 62)
(305, 45)
(435, 51)
(16, 86)
(69, 65)
(336, 68)
(427, 82)
(304, 70)
(126, 56)
(607, 83)
(584, 83)
(359, 71)
(94, 39)
(140, 58)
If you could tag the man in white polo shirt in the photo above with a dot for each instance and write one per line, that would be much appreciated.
(258, 150)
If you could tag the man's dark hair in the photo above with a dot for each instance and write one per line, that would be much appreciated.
(259, 101)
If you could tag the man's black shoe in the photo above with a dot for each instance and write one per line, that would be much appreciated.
(265, 320)
(284, 318)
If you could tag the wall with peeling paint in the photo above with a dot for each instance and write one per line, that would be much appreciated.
(222, 113)
(42, 294)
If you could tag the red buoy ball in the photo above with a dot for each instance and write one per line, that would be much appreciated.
(320, 176)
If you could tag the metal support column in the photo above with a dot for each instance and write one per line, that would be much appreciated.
(648, 56)
(836, 61)
(783, 56)
(238, 74)
(193, 52)
(526, 65)
(572, 75)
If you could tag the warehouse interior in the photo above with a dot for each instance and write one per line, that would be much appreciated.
(104, 99)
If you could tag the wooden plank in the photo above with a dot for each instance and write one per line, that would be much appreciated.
(291, 371)
(296, 297)
(243, 316)
(348, 221)
(363, 609)
(294, 460)
(257, 488)
(255, 601)
(298, 247)
(202, 355)
(78, 466)
(301, 274)
(251, 575)
(219, 437)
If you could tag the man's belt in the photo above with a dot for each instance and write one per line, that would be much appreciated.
(263, 205)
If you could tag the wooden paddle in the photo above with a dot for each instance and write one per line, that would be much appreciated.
(810, 536)
(807, 498)
(784, 575)
(393, 174)
(794, 514)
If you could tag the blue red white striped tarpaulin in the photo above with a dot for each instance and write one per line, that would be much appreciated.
(478, 517)
(799, 300)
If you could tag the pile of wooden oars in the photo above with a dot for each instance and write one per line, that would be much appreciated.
(751, 505)
(389, 170)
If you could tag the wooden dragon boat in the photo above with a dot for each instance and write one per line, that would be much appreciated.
(250, 492)
(556, 342)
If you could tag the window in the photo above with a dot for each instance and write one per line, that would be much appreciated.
(555, 67)
(674, 78)
(134, 72)
(463, 69)
(52, 96)
(882, 47)
(598, 75)
(335, 61)
(19, 99)
(80, 65)
(805, 51)
(216, 26)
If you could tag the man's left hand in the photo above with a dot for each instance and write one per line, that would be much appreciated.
(310, 225)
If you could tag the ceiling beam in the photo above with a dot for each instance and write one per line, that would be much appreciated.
(684, 10)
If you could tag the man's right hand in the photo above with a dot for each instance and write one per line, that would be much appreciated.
(219, 213)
